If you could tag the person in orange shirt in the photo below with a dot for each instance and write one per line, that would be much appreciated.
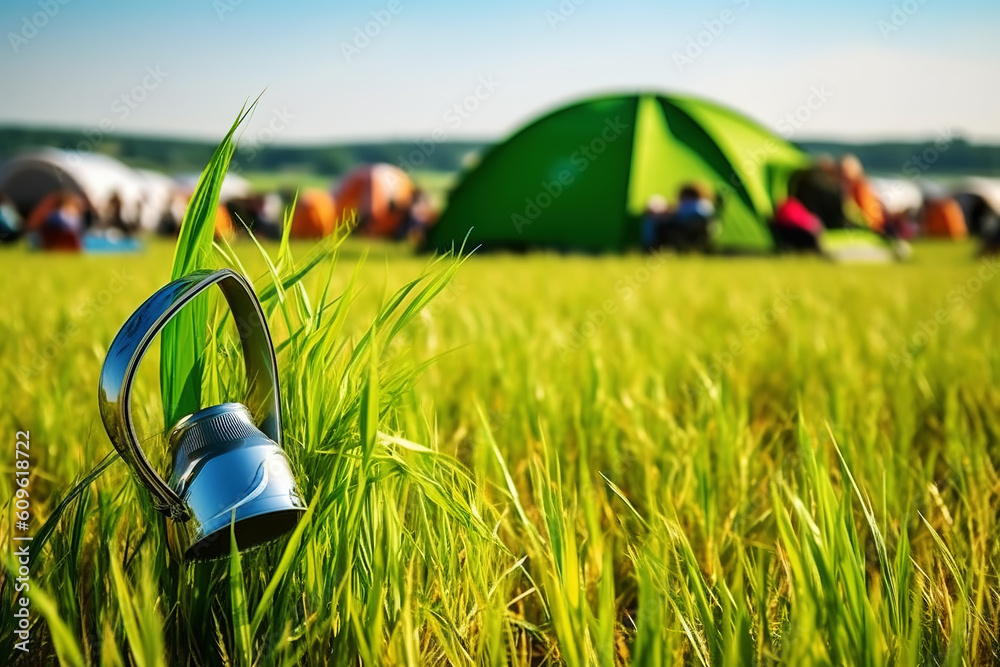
(859, 193)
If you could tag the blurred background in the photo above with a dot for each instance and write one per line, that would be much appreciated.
(373, 111)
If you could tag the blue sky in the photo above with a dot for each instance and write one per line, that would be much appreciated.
(850, 70)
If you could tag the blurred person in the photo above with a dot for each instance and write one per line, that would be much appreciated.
(420, 217)
(269, 214)
(63, 224)
(114, 220)
(818, 189)
(990, 234)
(241, 214)
(859, 193)
(687, 225)
(694, 205)
(991, 241)
(902, 225)
(10, 219)
(653, 218)
(170, 221)
(795, 227)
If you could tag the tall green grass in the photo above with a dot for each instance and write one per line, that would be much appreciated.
(540, 460)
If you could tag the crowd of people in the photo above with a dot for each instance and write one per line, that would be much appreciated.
(829, 194)
(63, 220)
(99, 204)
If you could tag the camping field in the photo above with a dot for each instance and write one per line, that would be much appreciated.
(537, 459)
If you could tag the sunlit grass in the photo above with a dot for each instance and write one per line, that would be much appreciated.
(541, 460)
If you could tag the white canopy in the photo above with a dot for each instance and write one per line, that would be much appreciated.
(158, 191)
(234, 186)
(898, 195)
(28, 178)
(987, 189)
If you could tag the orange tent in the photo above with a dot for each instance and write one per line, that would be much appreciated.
(943, 218)
(224, 228)
(315, 215)
(379, 195)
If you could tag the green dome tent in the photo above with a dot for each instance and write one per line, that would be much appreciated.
(580, 177)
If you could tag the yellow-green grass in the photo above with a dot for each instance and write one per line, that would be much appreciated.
(616, 460)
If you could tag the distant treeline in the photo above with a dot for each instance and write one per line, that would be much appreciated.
(184, 155)
(940, 156)
(944, 155)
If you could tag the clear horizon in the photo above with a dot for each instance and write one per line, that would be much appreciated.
(392, 71)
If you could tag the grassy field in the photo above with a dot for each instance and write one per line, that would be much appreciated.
(556, 460)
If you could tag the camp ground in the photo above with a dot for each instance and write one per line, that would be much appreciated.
(580, 176)
(549, 334)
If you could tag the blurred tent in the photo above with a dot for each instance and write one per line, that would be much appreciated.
(980, 201)
(855, 245)
(931, 189)
(224, 228)
(581, 176)
(170, 225)
(234, 186)
(379, 195)
(158, 191)
(315, 215)
(898, 195)
(943, 218)
(28, 179)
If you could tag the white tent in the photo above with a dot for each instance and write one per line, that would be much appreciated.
(234, 186)
(979, 198)
(898, 195)
(158, 192)
(30, 177)
(987, 189)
